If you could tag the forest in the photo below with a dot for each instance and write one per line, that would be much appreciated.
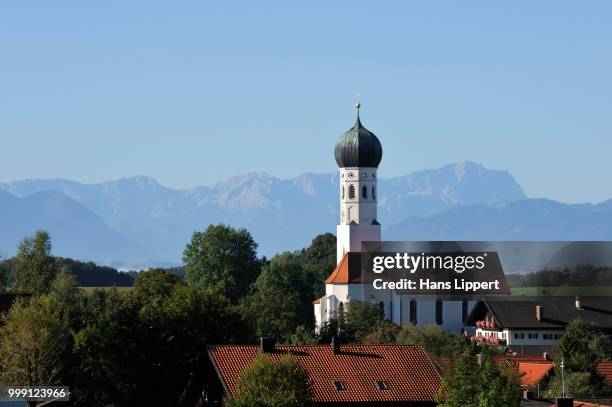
(142, 345)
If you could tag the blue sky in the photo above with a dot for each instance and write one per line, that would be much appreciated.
(195, 92)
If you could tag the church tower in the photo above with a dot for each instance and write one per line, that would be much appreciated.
(358, 153)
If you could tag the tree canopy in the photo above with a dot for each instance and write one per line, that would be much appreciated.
(222, 259)
(267, 383)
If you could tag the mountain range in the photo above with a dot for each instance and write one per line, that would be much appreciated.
(136, 221)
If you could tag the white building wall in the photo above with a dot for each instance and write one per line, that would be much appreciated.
(526, 336)
(397, 307)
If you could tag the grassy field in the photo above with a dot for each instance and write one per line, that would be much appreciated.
(562, 291)
(90, 289)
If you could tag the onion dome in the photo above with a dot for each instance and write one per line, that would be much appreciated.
(358, 147)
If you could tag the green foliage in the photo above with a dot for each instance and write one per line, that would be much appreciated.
(222, 259)
(33, 339)
(302, 336)
(355, 321)
(34, 267)
(577, 384)
(154, 284)
(266, 383)
(89, 274)
(386, 332)
(581, 347)
(359, 319)
(4, 275)
(468, 384)
(109, 363)
(319, 260)
(66, 297)
(281, 299)
(441, 346)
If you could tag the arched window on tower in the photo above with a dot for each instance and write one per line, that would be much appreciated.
(373, 192)
(439, 310)
(364, 192)
(413, 312)
(464, 312)
(351, 192)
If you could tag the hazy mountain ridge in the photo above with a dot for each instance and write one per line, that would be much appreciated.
(76, 230)
(531, 219)
(282, 214)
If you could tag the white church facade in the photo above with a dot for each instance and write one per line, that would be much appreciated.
(358, 153)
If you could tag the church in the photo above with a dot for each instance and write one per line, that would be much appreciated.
(358, 154)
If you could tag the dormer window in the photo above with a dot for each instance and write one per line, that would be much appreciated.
(339, 385)
(382, 385)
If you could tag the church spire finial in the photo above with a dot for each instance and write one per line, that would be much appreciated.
(358, 104)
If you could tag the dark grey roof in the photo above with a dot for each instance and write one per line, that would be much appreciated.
(520, 312)
(531, 350)
(358, 147)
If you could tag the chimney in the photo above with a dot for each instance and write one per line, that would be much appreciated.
(267, 344)
(565, 402)
(578, 302)
(335, 345)
(539, 312)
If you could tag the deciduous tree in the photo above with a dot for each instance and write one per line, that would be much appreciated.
(222, 259)
(34, 267)
(266, 383)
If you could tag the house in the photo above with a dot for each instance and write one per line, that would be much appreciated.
(533, 371)
(358, 153)
(533, 325)
(342, 375)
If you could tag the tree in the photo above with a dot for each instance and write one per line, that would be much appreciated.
(66, 297)
(577, 384)
(498, 386)
(34, 267)
(223, 259)
(441, 346)
(355, 321)
(386, 332)
(582, 346)
(281, 298)
(358, 320)
(319, 260)
(175, 332)
(154, 284)
(302, 336)
(470, 384)
(266, 383)
(110, 360)
(33, 340)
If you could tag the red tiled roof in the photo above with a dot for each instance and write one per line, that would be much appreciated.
(578, 403)
(532, 373)
(347, 271)
(604, 369)
(407, 370)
